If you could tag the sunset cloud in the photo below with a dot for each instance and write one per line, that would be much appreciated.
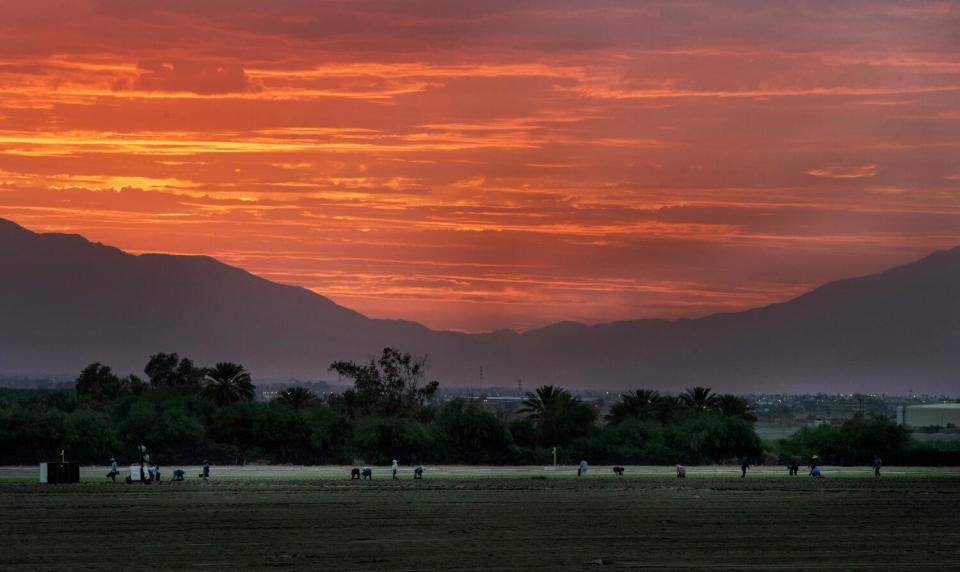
(485, 165)
(844, 171)
(196, 77)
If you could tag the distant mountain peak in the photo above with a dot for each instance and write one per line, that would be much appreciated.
(8, 226)
(66, 302)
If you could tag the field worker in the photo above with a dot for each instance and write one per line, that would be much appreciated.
(681, 471)
(206, 471)
(582, 470)
(156, 473)
(418, 472)
(815, 473)
(394, 468)
(744, 465)
(794, 467)
(877, 463)
(813, 462)
(178, 474)
(112, 475)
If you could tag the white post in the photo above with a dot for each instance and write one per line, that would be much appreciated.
(554, 458)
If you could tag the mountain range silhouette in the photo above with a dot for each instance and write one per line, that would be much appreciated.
(66, 302)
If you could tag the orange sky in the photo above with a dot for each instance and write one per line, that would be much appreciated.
(493, 164)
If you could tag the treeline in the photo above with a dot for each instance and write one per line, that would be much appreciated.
(858, 440)
(184, 413)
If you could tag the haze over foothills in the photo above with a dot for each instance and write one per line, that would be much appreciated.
(66, 302)
(484, 165)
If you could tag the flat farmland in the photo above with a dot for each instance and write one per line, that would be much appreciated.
(489, 522)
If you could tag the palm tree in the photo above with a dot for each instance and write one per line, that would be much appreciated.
(698, 398)
(735, 406)
(534, 404)
(639, 404)
(297, 398)
(227, 383)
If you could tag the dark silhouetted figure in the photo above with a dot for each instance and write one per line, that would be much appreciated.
(618, 470)
(112, 475)
(367, 473)
(744, 465)
(206, 471)
(418, 472)
(681, 471)
(178, 474)
(793, 468)
(877, 463)
(354, 474)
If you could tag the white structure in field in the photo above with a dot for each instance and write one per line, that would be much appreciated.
(929, 415)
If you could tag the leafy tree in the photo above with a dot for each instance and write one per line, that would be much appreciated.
(523, 431)
(713, 438)
(237, 424)
(32, 430)
(854, 442)
(227, 383)
(168, 423)
(393, 384)
(331, 434)
(870, 435)
(563, 419)
(559, 417)
(297, 398)
(172, 371)
(88, 434)
(99, 382)
(671, 409)
(465, 432)
(734, 406)
(283, 435)
(349, 403)
(640, 404)
(698, 399)
(134, 384)
(535, 404)
(381, 439)
(633, 432)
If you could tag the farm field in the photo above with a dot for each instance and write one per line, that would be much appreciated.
(95, 474)
(487, 522)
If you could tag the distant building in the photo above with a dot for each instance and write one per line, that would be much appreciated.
(929, 415)
(269, 394)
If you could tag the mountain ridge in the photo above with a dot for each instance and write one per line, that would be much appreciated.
(894, 329)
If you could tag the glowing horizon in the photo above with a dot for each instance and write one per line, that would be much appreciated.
(505, 165)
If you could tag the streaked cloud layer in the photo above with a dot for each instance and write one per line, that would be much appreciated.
(493, 164)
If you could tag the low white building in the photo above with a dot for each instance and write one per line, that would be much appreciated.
(929, 415)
